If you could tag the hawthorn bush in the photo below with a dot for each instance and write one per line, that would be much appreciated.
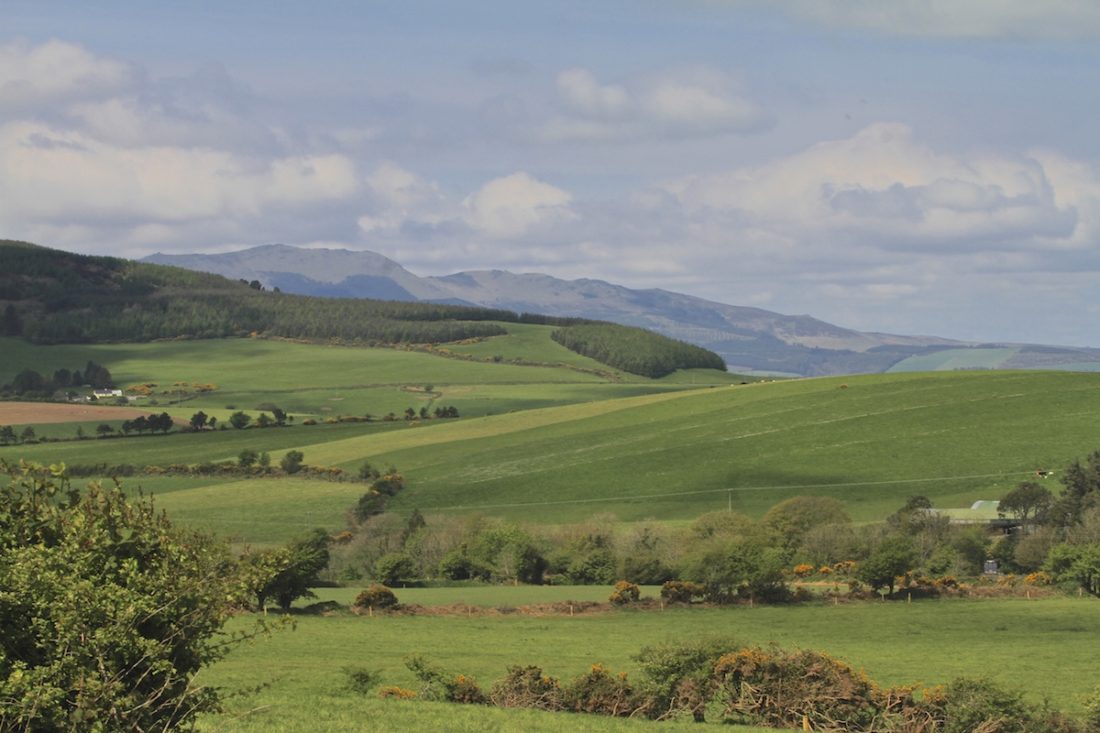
(107, 611)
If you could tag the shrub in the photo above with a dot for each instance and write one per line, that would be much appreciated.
(1092, 710)
(967, 705)
(602, 693)
(526, 687)
(778, 688)
(376, 596)
(678, 677)
(116, 610)
(625, 592)
(681, 591)
(360, 679)
(394, 567)
(292, 461)
(439, 686)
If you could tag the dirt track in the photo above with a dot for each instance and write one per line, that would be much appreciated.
(35, 413)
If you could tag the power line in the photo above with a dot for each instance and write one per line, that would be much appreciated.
(699, 492)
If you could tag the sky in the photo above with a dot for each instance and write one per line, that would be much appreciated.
(914, 166)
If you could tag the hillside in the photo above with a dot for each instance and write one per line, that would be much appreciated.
(50, 296)
(646, 451)
(749, 339)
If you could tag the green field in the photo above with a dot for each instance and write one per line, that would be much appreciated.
(949, 359)
(671, 454)
(1041, 647)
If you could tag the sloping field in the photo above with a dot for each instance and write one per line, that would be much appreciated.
(23, 413)
(955, 437)
(949, 359)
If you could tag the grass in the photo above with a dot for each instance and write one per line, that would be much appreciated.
(925, 642)
(869, 441)
(306, 379)
(949, 359)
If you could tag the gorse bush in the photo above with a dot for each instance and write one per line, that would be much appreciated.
(769, 687)
(624, 593)
(376, 596)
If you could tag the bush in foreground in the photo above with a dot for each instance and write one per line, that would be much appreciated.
(107, 611)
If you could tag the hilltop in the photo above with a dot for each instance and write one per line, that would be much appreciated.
(51, 296)
(748, 339)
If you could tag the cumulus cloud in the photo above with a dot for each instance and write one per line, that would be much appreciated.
(688, 103)
(1009, 19)
(55, 70)
(884, 187)
(63, 175)
(513, 205)
(396, 196)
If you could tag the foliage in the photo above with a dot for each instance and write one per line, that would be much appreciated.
(782, 689)
(681, 591)
(678, 676)
(291, 462)
(107, 611)
(635, 350)
(602, 693)
(969, 705)
(377, 596)
(892, 558)
(1082, 491)
(360, 680)
(1027, 502)
(793, 518)
(740, 569)
(438, 685)
(625, 593)
(526, 687)
(299, 565)
(394, 567)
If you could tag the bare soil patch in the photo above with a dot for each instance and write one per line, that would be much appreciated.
(34, 413)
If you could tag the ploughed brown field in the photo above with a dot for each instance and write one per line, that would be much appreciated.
(26, 413)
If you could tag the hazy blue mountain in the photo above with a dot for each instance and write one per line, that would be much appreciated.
(750, 339)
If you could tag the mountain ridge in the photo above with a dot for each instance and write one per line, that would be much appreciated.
(750, 339)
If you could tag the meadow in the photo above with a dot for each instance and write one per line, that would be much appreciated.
(545, 444)
(1041, 647)
(668, 454)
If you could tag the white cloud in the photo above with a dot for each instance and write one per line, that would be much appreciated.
(56, 70)
(51, 174)
(513, 205)
(397, 196)
(697, 102)
(1009, 19)
(883, 188)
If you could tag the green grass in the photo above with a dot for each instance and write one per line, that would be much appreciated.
(925, 642)
(953, 436)
(949, 359)
(300, 378)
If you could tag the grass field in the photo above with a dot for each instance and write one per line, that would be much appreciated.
(955, 359)
(669, 455)
(1042, 647)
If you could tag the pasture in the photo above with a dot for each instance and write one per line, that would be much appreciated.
(1040, 647)
(669, 455)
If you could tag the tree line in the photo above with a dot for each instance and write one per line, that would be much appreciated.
(726, 557)
(60, 297)
(635, 350)
(29, 383)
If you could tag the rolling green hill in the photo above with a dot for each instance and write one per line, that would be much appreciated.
(644, 450)
(50, 296)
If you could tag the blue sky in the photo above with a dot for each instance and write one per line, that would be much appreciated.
(917, 166)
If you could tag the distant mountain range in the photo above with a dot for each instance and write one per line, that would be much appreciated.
(749, 339)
